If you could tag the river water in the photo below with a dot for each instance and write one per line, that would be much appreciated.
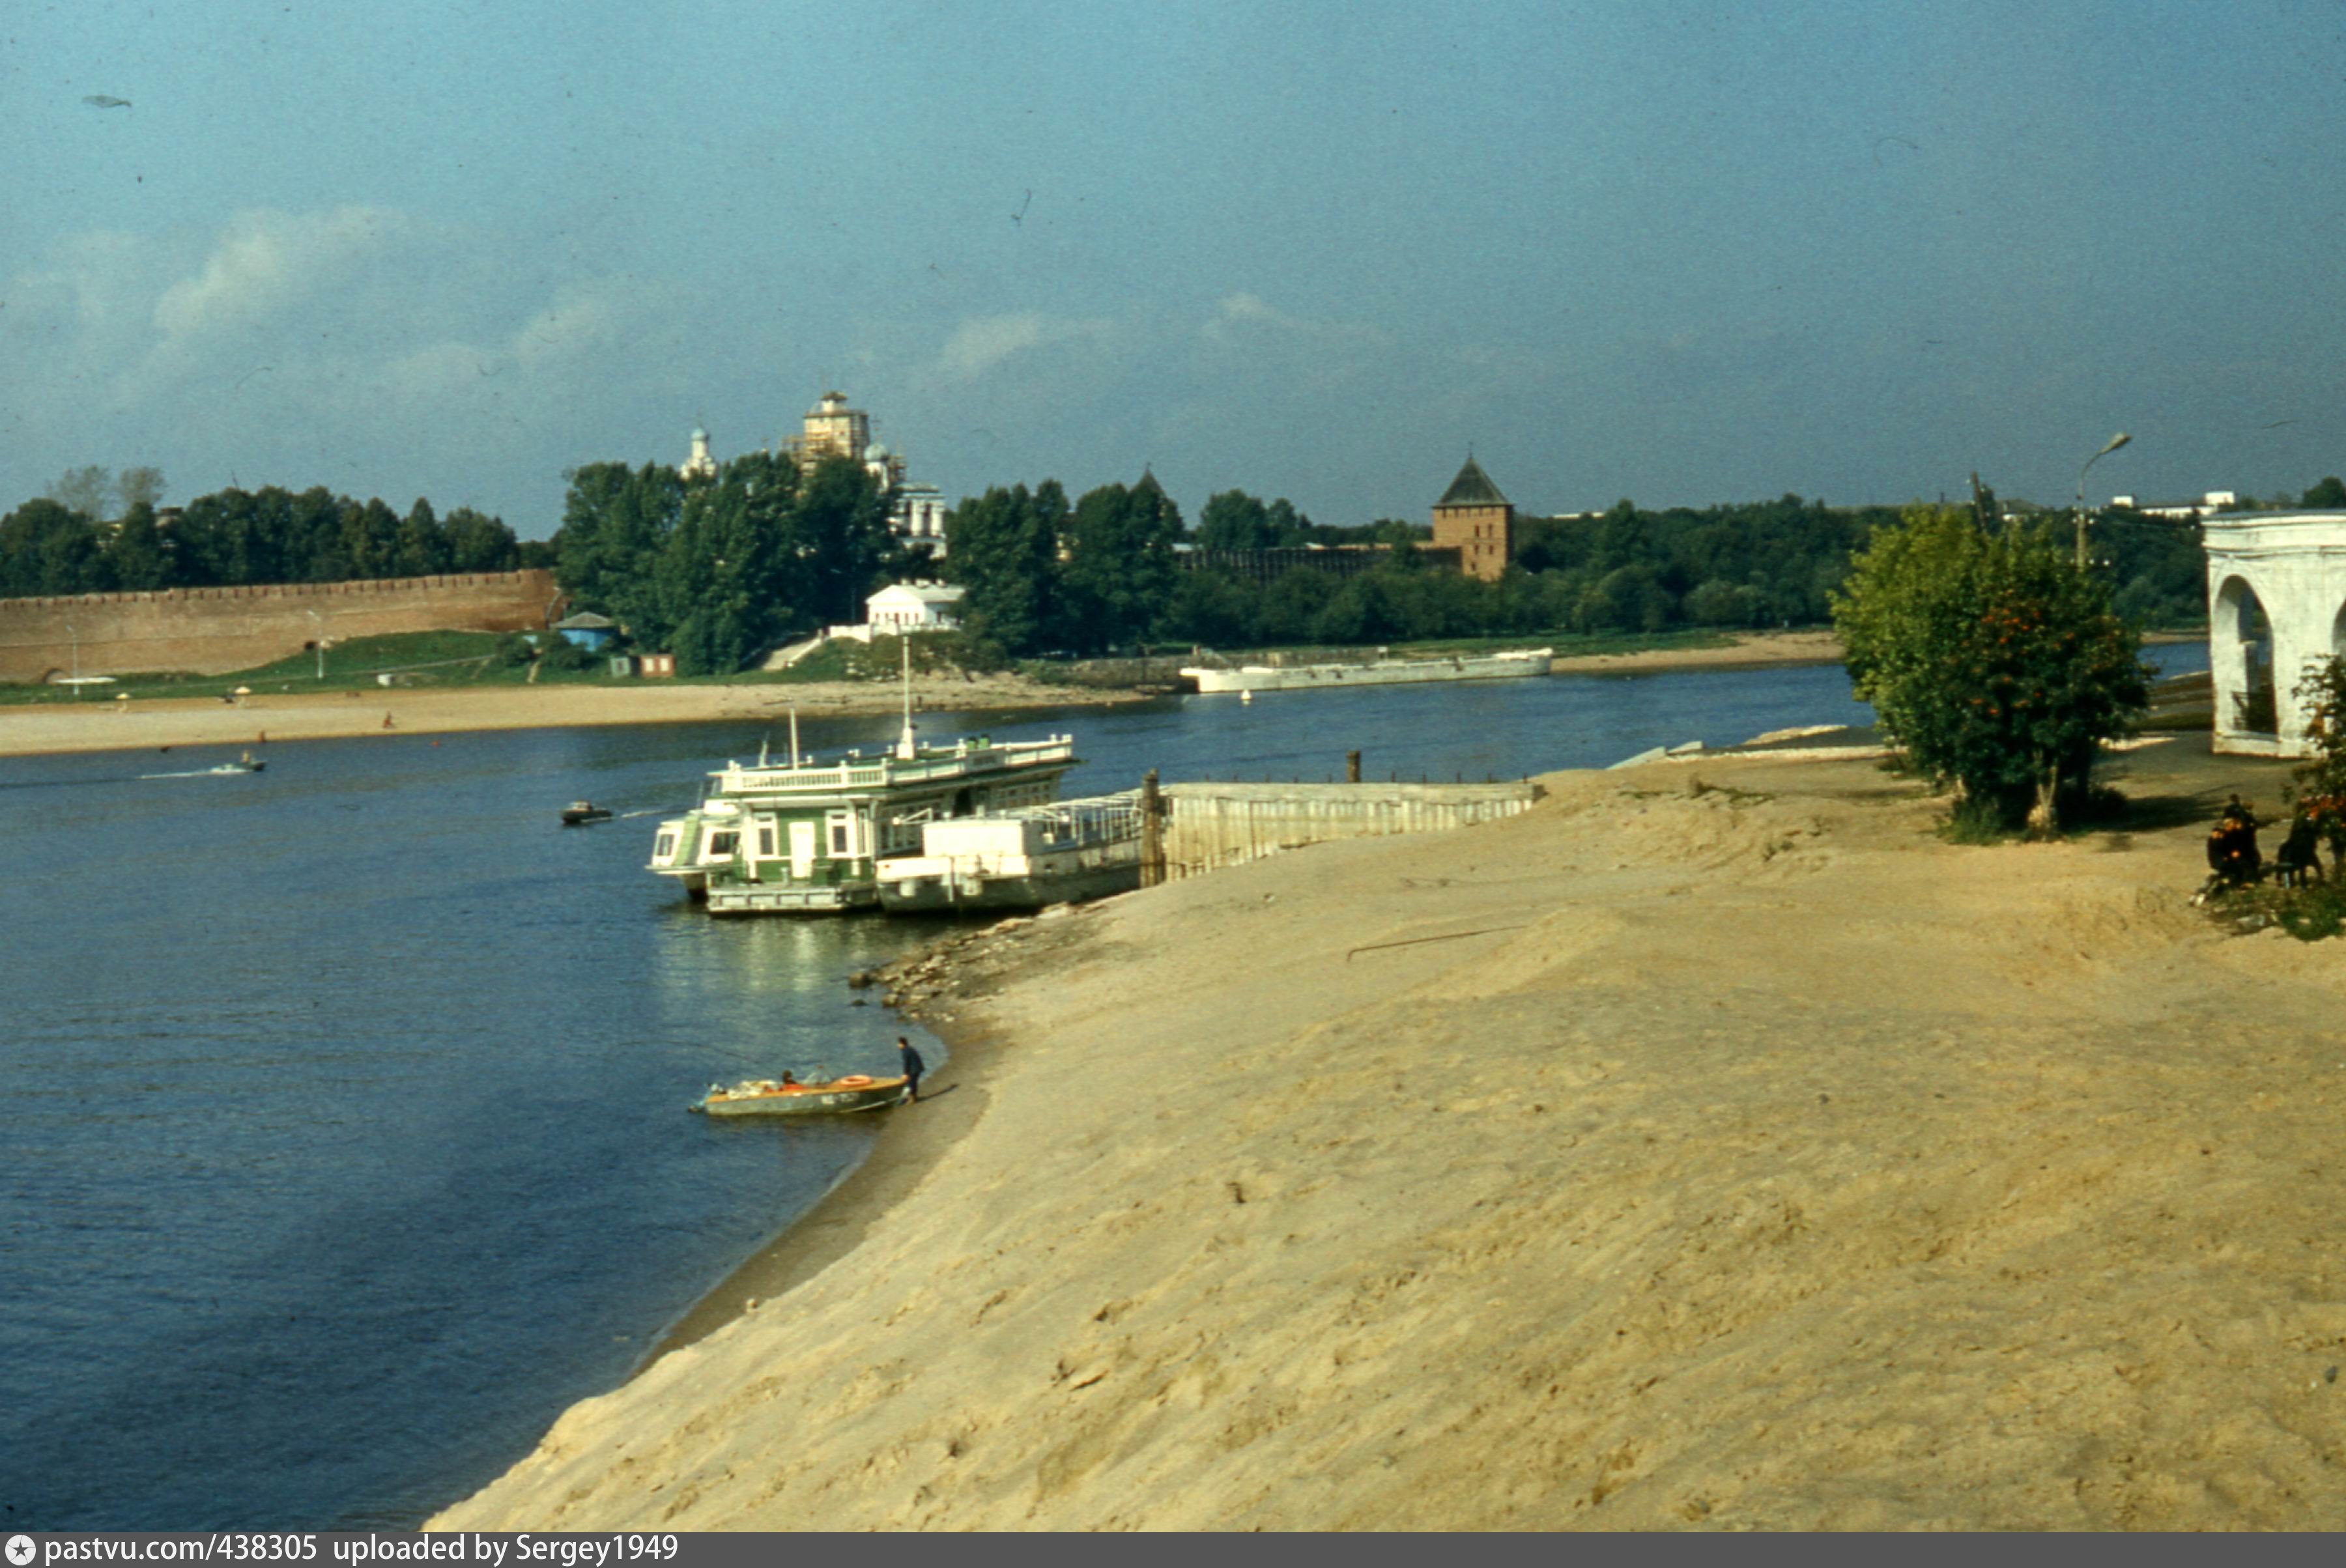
(346, 1143)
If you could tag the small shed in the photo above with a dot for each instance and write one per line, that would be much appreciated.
(902, 607)
(587, 630)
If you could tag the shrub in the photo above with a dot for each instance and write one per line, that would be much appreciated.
(1991, 661)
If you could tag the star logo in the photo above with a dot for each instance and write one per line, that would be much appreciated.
(20, 1550)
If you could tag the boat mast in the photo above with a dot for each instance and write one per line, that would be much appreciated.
(907, 748)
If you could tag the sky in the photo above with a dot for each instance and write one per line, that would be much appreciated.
(1681, 253)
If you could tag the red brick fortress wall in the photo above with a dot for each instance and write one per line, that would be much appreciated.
(210, 631)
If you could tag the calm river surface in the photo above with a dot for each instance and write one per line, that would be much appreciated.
(346, 1141)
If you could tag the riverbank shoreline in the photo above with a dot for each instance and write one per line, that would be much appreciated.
(1615, 1166)
(269, 716)
(293, 713)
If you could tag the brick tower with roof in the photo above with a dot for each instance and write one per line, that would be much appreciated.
(1475, 520)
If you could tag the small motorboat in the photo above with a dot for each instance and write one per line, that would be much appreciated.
(578, 813)
(248, 763)
(785, 1097)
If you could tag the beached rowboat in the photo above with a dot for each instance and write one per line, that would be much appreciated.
(772, 1097)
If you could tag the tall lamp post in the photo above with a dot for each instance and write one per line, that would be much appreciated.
(76, 657)
(2120, 439)
(322, 642)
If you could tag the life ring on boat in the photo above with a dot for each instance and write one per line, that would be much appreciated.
(855, 1081)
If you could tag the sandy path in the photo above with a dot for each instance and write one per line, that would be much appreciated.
(102, 726)
(1741, 1158)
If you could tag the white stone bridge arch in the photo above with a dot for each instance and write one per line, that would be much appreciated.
(2293, 564)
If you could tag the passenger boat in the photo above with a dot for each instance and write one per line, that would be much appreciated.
(774, 1097)
(1513, 664)
(818, 838)
(578, 813)
(1065, 852)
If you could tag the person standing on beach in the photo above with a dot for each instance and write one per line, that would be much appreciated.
(913, 1068)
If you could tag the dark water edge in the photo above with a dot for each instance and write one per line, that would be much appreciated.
(349, 1147)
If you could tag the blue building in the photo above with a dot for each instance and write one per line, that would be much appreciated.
(587, 630)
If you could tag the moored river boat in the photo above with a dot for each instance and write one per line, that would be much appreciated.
(1513, 665)
(784, 1097)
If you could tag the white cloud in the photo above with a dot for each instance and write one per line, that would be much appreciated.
(982, 342)
(356, 346)
(266, 262)
(1245, 317)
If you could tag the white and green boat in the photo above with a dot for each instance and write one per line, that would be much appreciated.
(816, 838)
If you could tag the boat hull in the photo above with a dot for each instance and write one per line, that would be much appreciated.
(789, 899)
(938, 895)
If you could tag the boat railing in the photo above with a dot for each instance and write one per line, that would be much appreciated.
(880, 772)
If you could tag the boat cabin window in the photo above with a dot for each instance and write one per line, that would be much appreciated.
(721, 845)
(839, 837)
(765, 841)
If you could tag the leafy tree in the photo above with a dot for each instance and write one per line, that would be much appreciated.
(726, 573)
(616, 524)
(479, 543)
(143, 560)
(2319, 786)
(1234, 520)
(1993, 663)
(1120, 570)
(2329, 492)
(89, 491)
(838, 539)
(423, 542)
(1002, 547)
(135, 487)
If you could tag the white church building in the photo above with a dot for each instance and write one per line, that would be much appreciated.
(2276, 602)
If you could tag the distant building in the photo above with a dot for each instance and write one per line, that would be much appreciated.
(699, 465)
(2184, 511)
(2276, 603)
(587, 630)
(1473, 519)
(831, 428)
(902, 607)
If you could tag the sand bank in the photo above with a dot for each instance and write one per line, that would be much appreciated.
(1749, 650)
(1720, 1150)
(101, 725)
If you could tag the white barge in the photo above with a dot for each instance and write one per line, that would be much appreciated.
(1513, 664)
(1065, 852)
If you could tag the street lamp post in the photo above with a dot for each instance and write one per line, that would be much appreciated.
(321, 641)
(76, 657)
(2120, 439)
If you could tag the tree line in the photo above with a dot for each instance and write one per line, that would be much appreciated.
(92, 536)
(1042, 576)
(716, 570)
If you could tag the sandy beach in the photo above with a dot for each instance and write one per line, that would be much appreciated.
(294, 713)
(1710, 1148)
(100, 725)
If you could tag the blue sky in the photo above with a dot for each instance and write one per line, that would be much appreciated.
(1684, 253)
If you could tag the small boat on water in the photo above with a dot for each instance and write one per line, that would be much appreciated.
(785, 1097)
(578, 813)
(247, 763)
